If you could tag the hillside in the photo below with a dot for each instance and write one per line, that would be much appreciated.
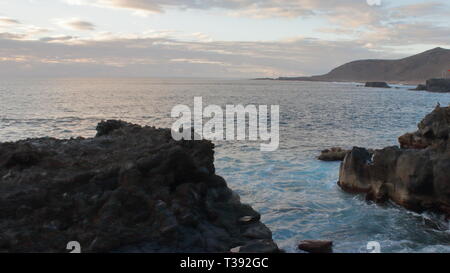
(415, 69)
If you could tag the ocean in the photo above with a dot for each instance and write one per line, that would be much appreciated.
(296, 194)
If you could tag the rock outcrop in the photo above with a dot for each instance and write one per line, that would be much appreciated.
(316, 246)
(432, 131)
(130, 188)
(438, 85)
(333, 154)
(420, 87)
(435, 85)
(336, 154)
(415, 176)
(377, 84)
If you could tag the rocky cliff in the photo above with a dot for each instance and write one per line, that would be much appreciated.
(130, 188)
(438, 85)
(415, 175)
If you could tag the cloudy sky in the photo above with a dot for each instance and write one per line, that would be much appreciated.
(211, 38)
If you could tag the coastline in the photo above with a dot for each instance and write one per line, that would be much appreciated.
(129, 189)
(290, 188)
(294, 79)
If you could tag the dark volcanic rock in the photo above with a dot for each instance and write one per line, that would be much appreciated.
(438, 85)
(336, 154)
(131, 188)
(420, 87)
(377, 84)
(333, 154)
(434, 130)
(435, 85)
(415, 176)
(316, 246)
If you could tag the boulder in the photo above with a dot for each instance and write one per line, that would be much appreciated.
(377, 84)
(438, 85)
(333, 154)
(316, 246)
(414, 176)
(129, 189)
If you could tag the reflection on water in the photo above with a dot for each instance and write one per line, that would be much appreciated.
(296, 194)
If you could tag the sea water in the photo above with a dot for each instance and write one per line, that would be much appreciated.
(296, 194)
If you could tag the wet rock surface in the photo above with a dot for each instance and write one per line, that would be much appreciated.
(415, 175)
(130, 188)
(377, 84)
(316, 246)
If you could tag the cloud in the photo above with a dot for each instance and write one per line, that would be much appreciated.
(158, 6)
(8, 21)
(350, 14)
(145, 57)
(75, 24)
(57, 38)
(425, 9)
(401, 34)
(197, 61)
(288, 10)
(11, 36)
(246, 8)
(32, 30)
(360, 31)
(19, 30)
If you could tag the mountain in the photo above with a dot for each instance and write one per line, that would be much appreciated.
(433, 63)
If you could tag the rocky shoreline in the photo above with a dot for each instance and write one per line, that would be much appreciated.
(130, 188)
(435, 85)
(414, 175)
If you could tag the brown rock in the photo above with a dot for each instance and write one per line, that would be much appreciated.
(415, 176)
(333, 154)
(316, 246)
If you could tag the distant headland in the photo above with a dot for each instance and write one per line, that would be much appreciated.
(434, 63)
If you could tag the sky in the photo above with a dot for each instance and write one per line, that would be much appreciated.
(211, 38)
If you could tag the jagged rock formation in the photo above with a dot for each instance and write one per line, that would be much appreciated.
(416, 175)
(130, 188)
